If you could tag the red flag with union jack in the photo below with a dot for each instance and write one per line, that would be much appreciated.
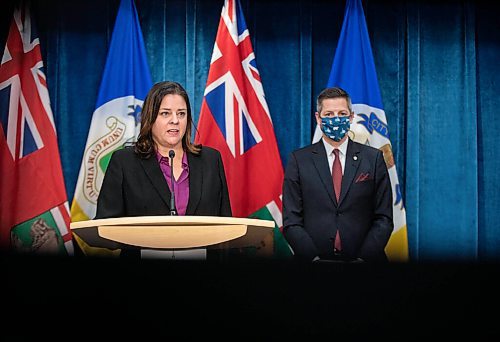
(235, 119)
(33, 202)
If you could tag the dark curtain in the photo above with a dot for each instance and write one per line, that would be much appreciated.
(437, 64)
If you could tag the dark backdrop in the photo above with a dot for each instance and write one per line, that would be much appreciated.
(437, 64)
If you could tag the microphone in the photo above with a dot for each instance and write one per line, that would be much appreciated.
(173, 210)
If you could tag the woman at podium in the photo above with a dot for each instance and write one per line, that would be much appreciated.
(164, 172)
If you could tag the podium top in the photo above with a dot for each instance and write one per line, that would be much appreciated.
(172, 221)
(175, 232)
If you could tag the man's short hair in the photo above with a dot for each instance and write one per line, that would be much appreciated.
(333, 93)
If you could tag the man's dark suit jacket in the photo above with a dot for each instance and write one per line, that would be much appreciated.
(136, 187)
(311, 214)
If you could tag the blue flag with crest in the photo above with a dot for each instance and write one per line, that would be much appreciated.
(116, 120)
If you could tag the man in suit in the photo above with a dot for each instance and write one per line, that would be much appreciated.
(337, 197)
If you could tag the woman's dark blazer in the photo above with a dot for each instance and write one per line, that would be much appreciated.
(136, 187)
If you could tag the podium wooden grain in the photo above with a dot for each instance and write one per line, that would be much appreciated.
(177, 233)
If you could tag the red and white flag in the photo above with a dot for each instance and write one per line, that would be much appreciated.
(34, 213)
(235, 119)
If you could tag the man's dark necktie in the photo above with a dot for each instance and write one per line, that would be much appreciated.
(337, 184)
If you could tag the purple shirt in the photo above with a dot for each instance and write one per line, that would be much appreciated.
(181, 185)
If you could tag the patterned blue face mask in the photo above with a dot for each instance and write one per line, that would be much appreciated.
(335, 127)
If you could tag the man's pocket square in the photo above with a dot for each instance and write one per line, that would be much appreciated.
(363, 177)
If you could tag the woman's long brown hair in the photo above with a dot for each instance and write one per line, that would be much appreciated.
(145, 146)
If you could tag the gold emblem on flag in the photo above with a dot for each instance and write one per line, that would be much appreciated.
(388, 156)
(98, 150)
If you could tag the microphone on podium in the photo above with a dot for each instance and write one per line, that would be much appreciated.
(173, 210)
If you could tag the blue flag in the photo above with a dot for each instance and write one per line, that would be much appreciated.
(116, 120)
(353, 70)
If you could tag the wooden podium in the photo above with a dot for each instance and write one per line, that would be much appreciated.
(176, 233)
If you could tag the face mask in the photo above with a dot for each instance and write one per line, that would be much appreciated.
(335, 127)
